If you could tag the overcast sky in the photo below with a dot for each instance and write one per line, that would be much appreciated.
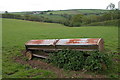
(42, 5)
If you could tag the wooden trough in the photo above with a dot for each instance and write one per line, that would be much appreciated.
(51, 45)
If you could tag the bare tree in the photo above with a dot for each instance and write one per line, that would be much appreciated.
(111, 6)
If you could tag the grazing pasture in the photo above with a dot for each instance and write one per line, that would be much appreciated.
(17, 32)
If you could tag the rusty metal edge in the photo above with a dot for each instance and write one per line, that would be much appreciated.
(54, 43)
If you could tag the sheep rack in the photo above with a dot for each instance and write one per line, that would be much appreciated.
(40, 48)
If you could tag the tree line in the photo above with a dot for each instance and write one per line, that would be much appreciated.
(70, 20)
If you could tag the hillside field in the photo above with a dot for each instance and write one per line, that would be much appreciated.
(69, 11)
(17, 32)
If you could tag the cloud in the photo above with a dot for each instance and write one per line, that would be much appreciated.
(41, 5)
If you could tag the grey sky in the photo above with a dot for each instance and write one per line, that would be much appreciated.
(41, 5)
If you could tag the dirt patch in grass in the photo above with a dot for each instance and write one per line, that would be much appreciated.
(39, 64)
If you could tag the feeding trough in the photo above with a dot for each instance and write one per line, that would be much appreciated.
(51, 45)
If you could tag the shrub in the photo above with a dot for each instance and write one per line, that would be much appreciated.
(98, 62)
(105, 23)
(79, 60)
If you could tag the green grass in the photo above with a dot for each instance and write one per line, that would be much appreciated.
(17, 32)
(15, 70)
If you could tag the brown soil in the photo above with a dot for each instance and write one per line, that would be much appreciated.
(59, 72)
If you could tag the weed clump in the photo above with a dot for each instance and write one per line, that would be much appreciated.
(79, 60)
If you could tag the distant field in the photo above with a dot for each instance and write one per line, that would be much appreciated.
(17, 32)
(79, 11)
(71, 11)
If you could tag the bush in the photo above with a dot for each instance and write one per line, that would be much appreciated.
(105, 23)
(79, 60)
(98, 62)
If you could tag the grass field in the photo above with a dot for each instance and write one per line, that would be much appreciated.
(79, 11)
(71, 11)
(17, 32)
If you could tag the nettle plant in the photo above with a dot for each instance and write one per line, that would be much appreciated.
(98, 62)
(79, 60)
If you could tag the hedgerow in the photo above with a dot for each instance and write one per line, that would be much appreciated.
(79, 60)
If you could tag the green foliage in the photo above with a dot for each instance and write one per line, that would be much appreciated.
(77, 18)
(78, 60)
(105, 23)
(72, 20)
(11, 16)
(67, 59)
(98, 62)
(38, 18)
